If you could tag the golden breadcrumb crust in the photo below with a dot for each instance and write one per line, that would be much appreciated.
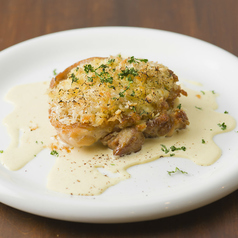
(99, 95)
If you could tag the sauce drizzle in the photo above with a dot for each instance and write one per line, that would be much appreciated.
(91, 170)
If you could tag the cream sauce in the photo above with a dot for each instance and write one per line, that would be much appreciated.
(77, 170)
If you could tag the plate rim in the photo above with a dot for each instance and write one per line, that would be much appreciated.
(131, 218)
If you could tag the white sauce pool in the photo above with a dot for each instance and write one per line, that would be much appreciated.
(76, 170)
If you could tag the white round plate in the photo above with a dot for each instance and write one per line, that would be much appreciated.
(150, 193)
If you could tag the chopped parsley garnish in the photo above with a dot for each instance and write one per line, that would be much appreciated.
(1, 151)
(110, 61)
(143, 112)
(173, 148)
(103, 66)
(73, 77)
(55, 153)
(88, 67)
(129, 79)
(164, 149)
(223, 126)
(143, 60)
(131, 60)
(134, 109)
(203, 92)
(103, 76)
(199, 108)
(226, 112)
(133, 93)
(38, 142)
(176, 170)
(179, 106)
(90, 79)
(128, 71)
(109, 80)
(134, 60)
(203, 141)
(121, 94)
(213, 92)
(54, 72)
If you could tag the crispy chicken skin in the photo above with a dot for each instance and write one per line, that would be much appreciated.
(119, 101)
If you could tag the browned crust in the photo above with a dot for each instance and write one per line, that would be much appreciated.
(165, 124)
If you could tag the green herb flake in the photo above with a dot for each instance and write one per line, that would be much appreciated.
(110, 61)
(143, 112)
(127, 72)
(109, 80)
(131, 60)
(133, 108)
(111, 86)
(171, 155)
(74, 78)
(54, 72)
(121, 94)
(213, 92)
(143, 60)
(199, 108)
(134, 60)
(179, 106)
(130, 79)
(164, 149)
(226, 112)
(1, 151)
(223, 126)
(102, 66)
(88, 67)
(203, 141)
(90, 79)
(55, 153)
(173, 148)
(176, 170)
(203, 92)
(133, 93)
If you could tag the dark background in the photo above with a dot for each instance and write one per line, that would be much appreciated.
(215, 21)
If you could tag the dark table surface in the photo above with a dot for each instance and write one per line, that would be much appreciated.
(215, 21)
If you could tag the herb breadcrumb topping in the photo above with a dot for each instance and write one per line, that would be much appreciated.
(122, 91)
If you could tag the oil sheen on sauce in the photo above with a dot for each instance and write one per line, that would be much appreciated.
(77, 170)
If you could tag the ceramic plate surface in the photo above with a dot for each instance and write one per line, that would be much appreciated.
(150, 193)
